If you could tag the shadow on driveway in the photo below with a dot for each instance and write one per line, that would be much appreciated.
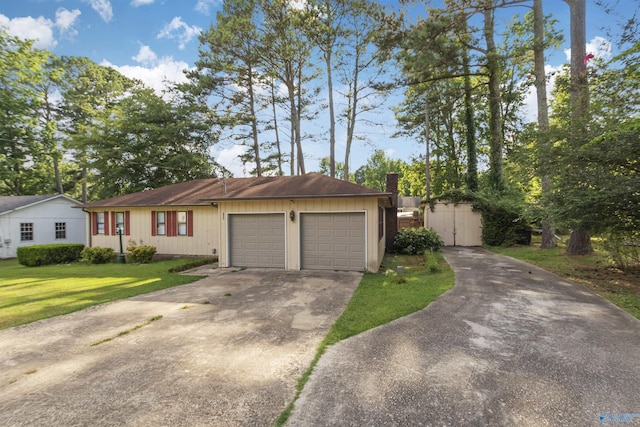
(509, 345)
(227, 350)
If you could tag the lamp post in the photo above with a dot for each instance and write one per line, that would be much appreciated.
(121, 257)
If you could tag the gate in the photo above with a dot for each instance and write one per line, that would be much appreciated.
(456, 223)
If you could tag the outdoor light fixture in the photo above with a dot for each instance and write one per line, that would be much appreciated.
(121, 257)
(292, 215)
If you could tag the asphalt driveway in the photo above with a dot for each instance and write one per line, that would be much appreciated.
(227, 350)
(509, 345)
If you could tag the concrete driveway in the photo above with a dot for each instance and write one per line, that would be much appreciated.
(509, 345)
(227, 350)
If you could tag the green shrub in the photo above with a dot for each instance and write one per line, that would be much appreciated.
(197, 262)
(59, 253)
(140, 254)
(503, 220)
(412, 241)
(623, 249)
(431, 262)
(98, 255)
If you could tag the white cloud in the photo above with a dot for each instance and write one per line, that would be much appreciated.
(230, 159)
(39, 29)
(530, 108)
(136, 3)
(145, 55)
(65, 19)
(598, 46)
(178, 29)
(205, 6)
(155, 72)
(298, 4)
(103, 7)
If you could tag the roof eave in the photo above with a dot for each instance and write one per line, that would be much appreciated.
(296, 196)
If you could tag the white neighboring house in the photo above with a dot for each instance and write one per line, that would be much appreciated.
(39, 220)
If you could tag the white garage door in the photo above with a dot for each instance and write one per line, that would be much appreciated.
(256, 240)
(333, 241)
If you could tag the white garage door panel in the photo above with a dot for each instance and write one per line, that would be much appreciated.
(333, 241)
(256, 240)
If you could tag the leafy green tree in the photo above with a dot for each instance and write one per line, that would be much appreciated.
(595, 183)
(285, 51)
(229, 71)
(325, 168)
(148, 142)
(88, 102)
(376, 169)
(21, 66)
(412, 179)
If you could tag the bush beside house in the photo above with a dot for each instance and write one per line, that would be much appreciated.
(60, 253)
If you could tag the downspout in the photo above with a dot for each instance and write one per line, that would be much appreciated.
(90, 226)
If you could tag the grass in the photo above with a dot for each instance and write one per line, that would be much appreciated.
(28, 294)
(127, 331)
(595, 271)
(381, 298)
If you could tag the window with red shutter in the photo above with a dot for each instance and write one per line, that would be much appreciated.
(94, 223)
(154, 224)
(114, 223)
(106, 223)
(127, 223)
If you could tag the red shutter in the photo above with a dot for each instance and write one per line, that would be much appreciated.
(189, 223)
(127, 223)
(172, 223)
(154, 229)
(106, 223)
(94, 223)
(113, 224)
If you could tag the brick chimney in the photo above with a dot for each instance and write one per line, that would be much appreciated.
(391, 214)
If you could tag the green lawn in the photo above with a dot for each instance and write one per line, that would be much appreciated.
(383, 297)
(28, 294)
(594, 271)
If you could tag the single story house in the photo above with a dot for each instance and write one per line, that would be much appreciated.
(38, 220)
(307, 221)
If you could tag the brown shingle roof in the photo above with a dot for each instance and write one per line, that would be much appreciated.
(206, 191)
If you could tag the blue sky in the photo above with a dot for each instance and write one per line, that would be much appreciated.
(154, 40)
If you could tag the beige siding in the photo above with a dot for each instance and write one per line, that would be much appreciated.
(205, 231)
(367, 205)
(210, 227)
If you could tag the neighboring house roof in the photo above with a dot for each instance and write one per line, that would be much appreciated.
(12, 203)
(205, 191)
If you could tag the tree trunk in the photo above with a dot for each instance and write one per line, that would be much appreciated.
(548, 235)
(496, 177)
(254, 125)
(301, 168)
(332, 118)
(275, 127)
(428, 150)
(579, 240)
(472, 158)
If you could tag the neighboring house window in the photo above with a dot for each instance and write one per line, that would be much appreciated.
(61, 230)
(182, 223)
(26, 231)
(100, 222)
(161, 223)
(380, 223)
